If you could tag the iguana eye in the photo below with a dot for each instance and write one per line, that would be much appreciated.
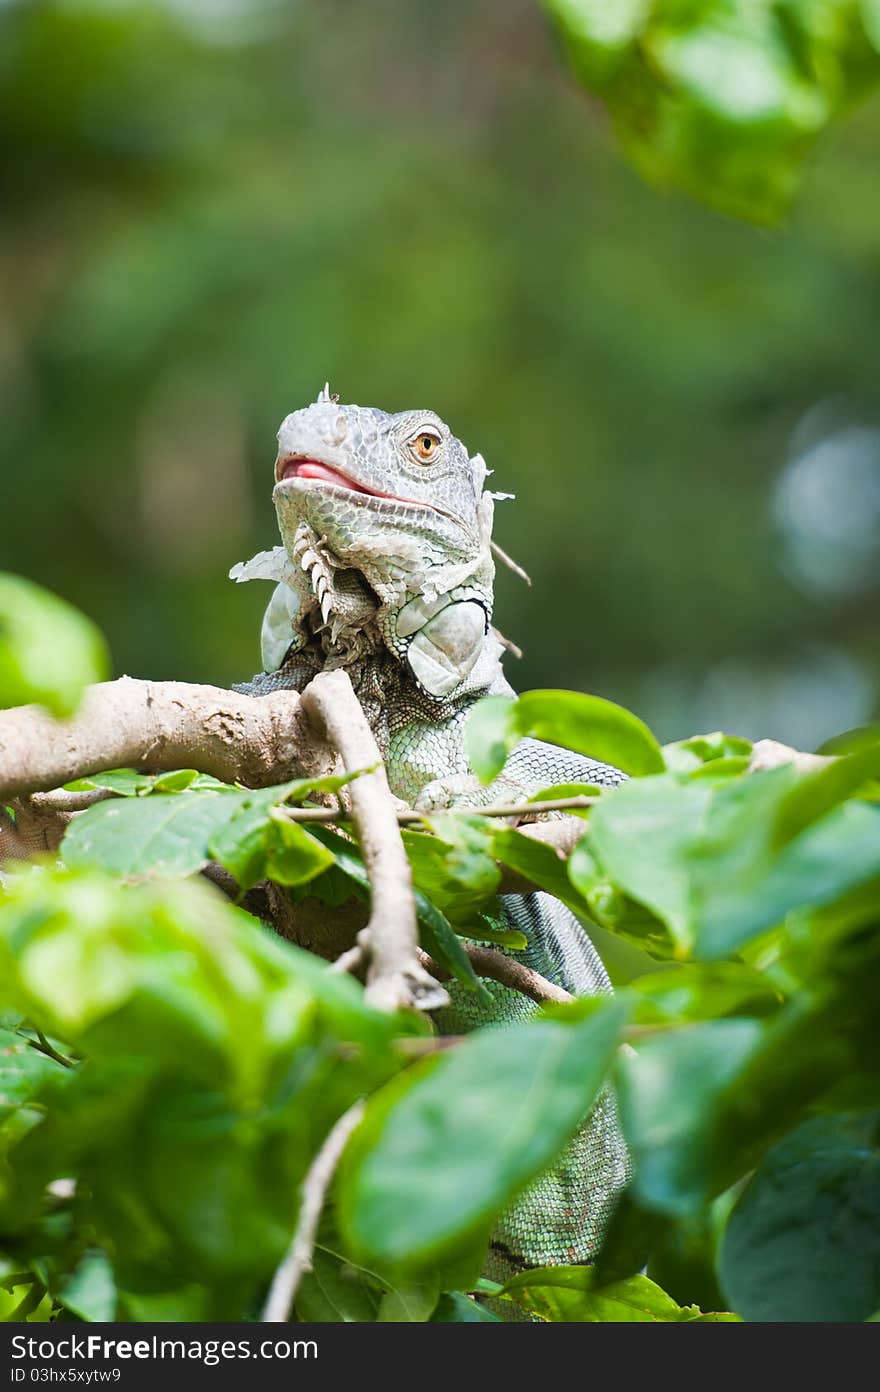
(425, 445)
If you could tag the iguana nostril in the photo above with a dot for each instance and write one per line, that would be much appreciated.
(340, 430)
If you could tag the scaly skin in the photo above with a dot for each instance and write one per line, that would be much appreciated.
(386, 570)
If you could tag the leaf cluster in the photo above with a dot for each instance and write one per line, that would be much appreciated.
(170, 1067)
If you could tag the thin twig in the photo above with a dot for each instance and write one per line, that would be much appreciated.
(408, 818)
(41, 819)
(510, 563)
(395, 979)
(63, 801)
(351, 961)
(486, 961)
(42, 1045)
(413, 1047)
(285, 1282)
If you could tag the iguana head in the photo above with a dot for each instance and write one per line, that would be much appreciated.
(396, 497)
(387, 538)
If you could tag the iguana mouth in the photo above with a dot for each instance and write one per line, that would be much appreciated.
(303, 467)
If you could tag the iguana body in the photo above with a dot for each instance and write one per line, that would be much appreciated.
(386, 570)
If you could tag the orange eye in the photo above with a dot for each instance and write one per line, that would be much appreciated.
(426, 445)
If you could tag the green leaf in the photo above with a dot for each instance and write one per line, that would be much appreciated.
(557, 791)
(734, 767)
(684, 1252)
(176, 834)
(253, 844)
(628, 1239)
(337, 1291)
(438, 938)
(722, 100)
(641, 834)
(803, 1242)
(446, 1146)
(701, 991)
(167, 834)
(699, 1104)
(689, 755)
(741, 890)
(701, 855)
(818, 792)
(669, 1095)
(130, 783)
(187, 1304)
(49, 652)
(573, 1294)
(490, 734)
(217, 1058)
(456, 1308)
(491, 930)
(293, 856)
(24, 1071)
(863, 736)
(409, 1303)
(238, 842)
(455, 866)
(537, 862)
(602, 898)
(347, 857)
(600, 34)
(589, 725)
(168, 971)
(90, 1292)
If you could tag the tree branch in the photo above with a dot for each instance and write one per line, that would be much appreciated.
(254, 740)
(285, 1282)
(507, 971)
(406, 817)
(767, 754)
(396, 979)
(486, 961)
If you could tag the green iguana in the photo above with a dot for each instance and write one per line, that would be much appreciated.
(387, 570)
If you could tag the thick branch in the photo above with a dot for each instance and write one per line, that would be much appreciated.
(507, 971)
(395, 978)
(486, 961)
(282, 1292)
(768, 754)
(254, 740)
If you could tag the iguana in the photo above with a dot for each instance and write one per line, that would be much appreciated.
(387, 571)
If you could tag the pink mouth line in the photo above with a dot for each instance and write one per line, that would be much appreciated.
(303, 468)
(300, 466)
(314, 469)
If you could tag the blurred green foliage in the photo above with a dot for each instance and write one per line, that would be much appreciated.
(724, 98)
(48, 651)
(210, 209)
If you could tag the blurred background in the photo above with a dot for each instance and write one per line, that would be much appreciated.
(211, 206)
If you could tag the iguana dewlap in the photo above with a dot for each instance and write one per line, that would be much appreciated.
(386, 570)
